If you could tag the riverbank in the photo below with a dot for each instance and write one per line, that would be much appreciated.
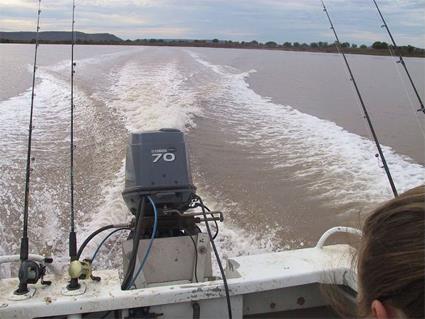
(319, 47)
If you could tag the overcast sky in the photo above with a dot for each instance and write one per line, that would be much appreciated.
(244, 20)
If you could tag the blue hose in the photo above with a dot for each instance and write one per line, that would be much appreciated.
(155, 224)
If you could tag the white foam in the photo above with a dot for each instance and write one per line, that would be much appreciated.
(342, 165)
(148, 99)
(51, 124)
(102, 58)
(232, 240)
(153, 98)
(112, 210)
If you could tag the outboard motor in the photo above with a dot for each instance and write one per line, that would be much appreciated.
(169, 247)
(157, 165)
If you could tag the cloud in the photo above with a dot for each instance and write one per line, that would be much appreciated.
(164, 32)
(363, 35)
(113, 20)
(263, 20)
(239, 34)
(17, 24)
(24, 4)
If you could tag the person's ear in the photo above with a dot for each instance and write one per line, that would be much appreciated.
(379, 311)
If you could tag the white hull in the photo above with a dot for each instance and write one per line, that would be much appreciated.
(258, 284)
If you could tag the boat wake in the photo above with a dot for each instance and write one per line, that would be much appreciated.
(333, 164)
(327, 162)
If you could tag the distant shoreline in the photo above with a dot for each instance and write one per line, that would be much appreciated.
(414, 52)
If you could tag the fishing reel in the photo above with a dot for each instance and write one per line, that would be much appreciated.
(82, 270)
(31, 272)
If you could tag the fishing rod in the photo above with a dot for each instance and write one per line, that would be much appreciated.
(77, 269)
(401, 61)
(366, 114)
(29, 271)
(73, 284)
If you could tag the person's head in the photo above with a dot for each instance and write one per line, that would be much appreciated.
(391, 259)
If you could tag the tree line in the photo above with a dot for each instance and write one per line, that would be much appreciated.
(377, 48)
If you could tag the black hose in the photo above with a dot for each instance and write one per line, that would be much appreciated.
(223, 275)
(215, 223)
(136, 240)
(91, 236)
(196, 257)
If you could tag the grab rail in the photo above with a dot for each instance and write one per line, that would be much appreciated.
(334, 230)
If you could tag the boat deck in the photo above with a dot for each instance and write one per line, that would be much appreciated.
(258, 284)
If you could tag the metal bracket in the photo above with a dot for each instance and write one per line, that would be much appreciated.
(202, 245)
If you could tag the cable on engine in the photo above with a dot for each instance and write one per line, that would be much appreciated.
(136, 240)
(145, 258)
(223, 275)
(91, 236)
(215, 223)
(196, 257)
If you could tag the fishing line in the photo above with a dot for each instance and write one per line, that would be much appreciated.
(406, 91)
(419, 121)
(401, 61)
(118, 240)
(105, 239)
(366, 128)
(366, 114)
(402, 80)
